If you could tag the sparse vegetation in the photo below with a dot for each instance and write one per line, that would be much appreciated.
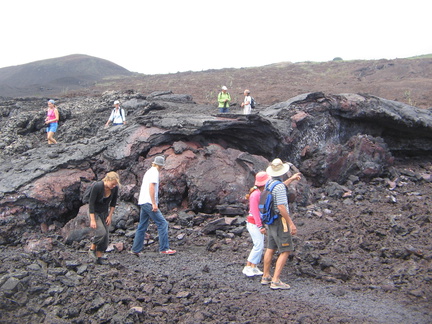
(425, 56)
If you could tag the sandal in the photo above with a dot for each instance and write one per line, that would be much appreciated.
(266, 281)
(279, 285)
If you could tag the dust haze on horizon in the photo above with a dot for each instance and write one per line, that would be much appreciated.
(193, 35)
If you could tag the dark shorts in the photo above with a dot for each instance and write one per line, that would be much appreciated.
(279, 237)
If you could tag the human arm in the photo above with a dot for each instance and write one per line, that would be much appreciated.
(247, 101)
(92, 221)
(92, 201)
(296, 176)
(113, 204)
(123, 115)
(109, 218)
(254, 207)
(57, 116)
(285, 214)
(111, 117)
(152, 191)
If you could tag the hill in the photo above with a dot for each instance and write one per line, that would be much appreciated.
(56, 76)
(406, 80)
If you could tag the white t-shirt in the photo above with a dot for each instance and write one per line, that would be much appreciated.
(247, 99)
(151, 176)
(117, 116)
(247, 108)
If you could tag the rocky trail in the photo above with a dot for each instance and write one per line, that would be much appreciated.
(194, 286)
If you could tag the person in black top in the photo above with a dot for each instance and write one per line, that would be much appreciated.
(102, 202)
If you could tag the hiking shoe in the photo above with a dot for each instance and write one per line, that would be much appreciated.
(168, 252)
(248, 271)
(266, 281)
(92, 254)
(279, 285)
(100, 261)
(256, 272)
(134, 253)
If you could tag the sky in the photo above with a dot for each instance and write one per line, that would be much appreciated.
(169, 36)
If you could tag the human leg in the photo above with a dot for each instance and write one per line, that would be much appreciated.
(142, 228)
(258, 244)
(101, 238)
(280, 263)
(51, 139)
(268, 256)
(247, 110)
(51, 129)
(223, 110)
(162, 227)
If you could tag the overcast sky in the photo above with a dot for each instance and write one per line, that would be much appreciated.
(167, 36)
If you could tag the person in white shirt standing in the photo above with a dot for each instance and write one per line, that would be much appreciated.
(117, 116)
(148, 200)
(246, 104)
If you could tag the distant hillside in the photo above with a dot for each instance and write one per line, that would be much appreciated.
(56, 76)
(407, 80)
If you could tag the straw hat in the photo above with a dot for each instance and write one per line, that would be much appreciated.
(277, 168)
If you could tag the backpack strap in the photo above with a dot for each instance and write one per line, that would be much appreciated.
(120, 111)
(272, 183)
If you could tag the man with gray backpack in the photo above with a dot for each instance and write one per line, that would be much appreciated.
(280, 227)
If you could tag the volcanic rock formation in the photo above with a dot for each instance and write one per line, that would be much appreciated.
(354, 208)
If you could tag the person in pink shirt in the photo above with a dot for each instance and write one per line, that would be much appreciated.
(51, 121)
(254, 226)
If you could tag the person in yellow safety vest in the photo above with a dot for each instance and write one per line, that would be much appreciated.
(224, 99)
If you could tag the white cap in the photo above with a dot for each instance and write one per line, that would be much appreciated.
(116, 102)
(224, 88)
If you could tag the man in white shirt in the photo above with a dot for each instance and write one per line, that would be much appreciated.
(246, 104)
(148, 200)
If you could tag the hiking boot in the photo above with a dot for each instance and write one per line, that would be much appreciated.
(168, 252)
(92, 254)
(100, 261)
(279, 285)
(266, 281)
(248, 271)
(257, 272)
